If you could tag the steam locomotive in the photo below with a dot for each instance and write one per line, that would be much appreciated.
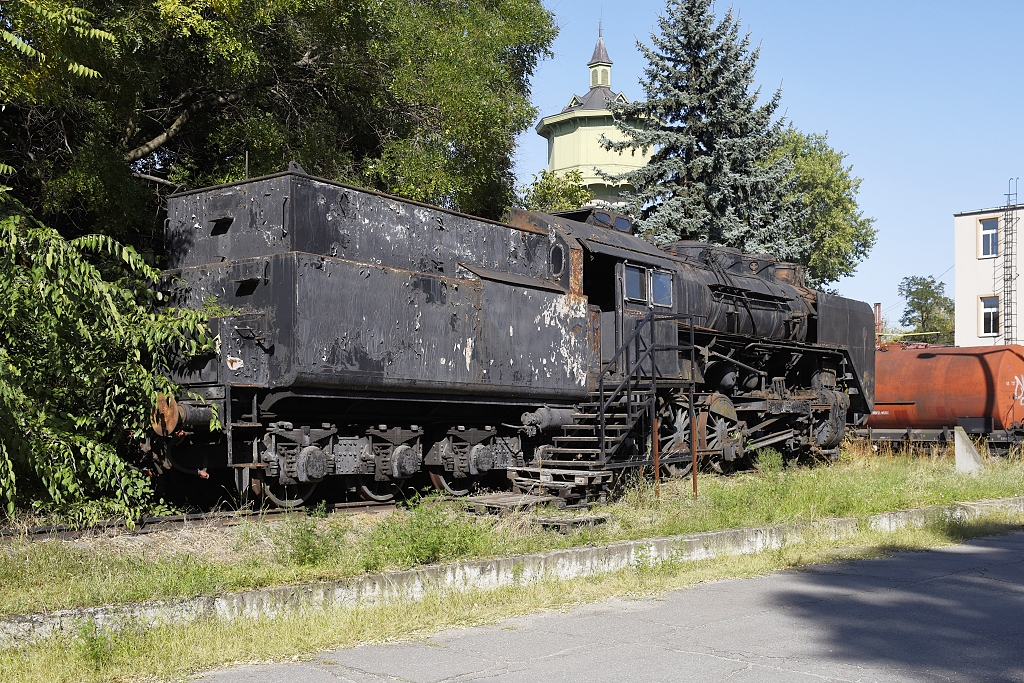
(365, 342)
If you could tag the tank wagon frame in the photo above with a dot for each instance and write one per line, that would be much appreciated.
(366, 340)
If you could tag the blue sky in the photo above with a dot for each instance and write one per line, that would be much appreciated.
(923, 97)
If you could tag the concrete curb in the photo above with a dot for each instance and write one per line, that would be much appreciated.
(477, 575)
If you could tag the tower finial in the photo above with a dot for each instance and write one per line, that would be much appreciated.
(600, 25)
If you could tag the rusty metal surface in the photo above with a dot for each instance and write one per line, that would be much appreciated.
(164, 416)
(934, 387)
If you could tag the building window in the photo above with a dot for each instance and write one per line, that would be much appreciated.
(593, 78)
(989, 237)
(990, 316)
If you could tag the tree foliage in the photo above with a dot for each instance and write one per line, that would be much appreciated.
(79, 343)
(551, 191)
(711, 176)
(839, 235)
(422, 99)
(928, 308)
(41, 41)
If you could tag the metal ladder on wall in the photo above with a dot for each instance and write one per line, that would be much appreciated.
(612, 413)
(1007, 304)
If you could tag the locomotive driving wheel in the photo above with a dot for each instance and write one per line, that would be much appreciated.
(674, 434)
(717, 427)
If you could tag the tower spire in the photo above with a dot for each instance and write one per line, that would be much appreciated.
(600, 63)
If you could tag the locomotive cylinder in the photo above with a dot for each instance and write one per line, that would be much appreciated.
(933, 387)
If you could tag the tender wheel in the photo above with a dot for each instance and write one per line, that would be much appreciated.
(442, 483)
(376, 491)
(282, 495)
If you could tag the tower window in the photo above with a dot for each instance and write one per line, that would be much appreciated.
(593, 78)
(604, 77)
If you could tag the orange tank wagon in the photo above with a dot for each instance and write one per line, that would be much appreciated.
(935, 387)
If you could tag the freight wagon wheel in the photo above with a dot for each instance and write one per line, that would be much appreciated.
(376, 491)
(442, 483)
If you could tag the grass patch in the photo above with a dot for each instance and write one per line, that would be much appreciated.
(49, 575)
(174, 653)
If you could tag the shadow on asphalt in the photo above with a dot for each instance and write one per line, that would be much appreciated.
(955, 613)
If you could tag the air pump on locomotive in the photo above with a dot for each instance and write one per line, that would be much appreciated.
(371, 340)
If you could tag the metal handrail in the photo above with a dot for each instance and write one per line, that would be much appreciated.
(633, 375)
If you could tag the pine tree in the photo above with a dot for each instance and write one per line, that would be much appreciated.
(711, 177)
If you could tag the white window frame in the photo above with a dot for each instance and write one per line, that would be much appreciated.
(650, 287)
(981, 316)
(647, 275)
(981, 237)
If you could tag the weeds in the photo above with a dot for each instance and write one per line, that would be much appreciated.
(769, 460)
(301, 540)
(181, 651)
(430, 532)
(314, 546)
(93, 644)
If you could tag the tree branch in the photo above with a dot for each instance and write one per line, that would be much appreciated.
(179, 123)
(154, 179)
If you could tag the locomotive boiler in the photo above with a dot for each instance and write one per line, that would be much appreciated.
(365, 341)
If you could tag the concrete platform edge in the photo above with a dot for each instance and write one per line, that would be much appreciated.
(476, 574)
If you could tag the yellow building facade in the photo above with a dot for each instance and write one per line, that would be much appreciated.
(574, 134)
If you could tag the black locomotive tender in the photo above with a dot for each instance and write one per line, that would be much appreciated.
(372, 339)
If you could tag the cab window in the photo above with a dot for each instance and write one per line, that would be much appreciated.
(636, 283)
(661, 288)
(652, 287)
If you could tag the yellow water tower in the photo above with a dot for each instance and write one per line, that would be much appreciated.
(575, 133)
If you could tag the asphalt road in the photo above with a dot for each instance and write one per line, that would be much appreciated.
(955, 614)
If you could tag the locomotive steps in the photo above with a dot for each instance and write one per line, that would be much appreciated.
(414, 585)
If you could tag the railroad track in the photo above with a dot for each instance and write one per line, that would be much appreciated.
(148, 525)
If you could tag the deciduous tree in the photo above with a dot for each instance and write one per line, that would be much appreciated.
(79, 343)
(839, 235)
(928, 309)
(422, 99)
(552, 191)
